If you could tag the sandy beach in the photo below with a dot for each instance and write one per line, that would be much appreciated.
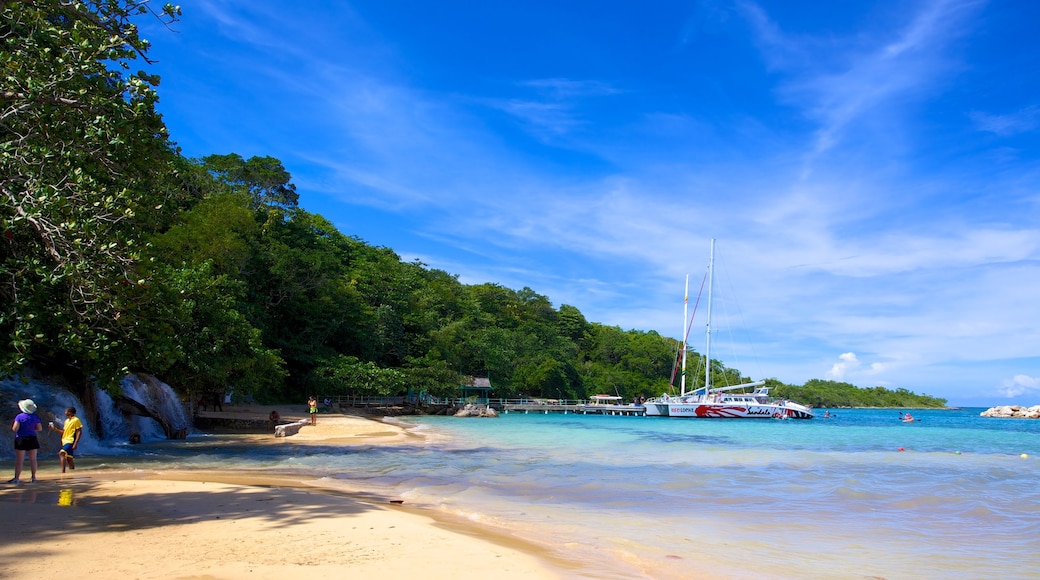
(227, 525)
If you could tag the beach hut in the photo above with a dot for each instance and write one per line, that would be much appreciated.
(478, 388)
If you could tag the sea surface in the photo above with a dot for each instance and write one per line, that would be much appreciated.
(858, 495)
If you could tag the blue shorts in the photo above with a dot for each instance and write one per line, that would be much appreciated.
(67, 450)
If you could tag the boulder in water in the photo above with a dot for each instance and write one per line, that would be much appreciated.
(1013, 411)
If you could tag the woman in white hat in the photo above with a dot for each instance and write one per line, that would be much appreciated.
(26, 425)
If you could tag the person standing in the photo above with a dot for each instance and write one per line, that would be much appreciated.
(312, 408)
(25, 427)
(70, 436)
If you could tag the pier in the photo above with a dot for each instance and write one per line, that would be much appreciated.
(597, 405)
(546, 406)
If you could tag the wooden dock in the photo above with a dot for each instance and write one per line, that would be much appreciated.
(593, 406)
(577, 408)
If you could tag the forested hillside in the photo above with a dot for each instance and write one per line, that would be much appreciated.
(119, 254)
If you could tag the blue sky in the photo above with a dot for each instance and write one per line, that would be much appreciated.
(869, 169)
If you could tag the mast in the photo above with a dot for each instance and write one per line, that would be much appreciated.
(685, 306)
(707, 331)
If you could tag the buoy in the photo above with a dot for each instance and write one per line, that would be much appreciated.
(901, 449)
(957, 452)
(1024, 456)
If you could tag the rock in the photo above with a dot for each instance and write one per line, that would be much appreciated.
(1013, 411)
(289, 429)
(129, 407)
(471, 410)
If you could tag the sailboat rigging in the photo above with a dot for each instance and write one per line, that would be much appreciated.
(720, 402)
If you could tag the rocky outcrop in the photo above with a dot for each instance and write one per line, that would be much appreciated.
(128, 407)
(288, 429)
(1013, 411)
(472, 410)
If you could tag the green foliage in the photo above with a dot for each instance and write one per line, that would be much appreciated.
(821, 393)
(216, 347)
(349, 375)
(264, 179)
(82, 154)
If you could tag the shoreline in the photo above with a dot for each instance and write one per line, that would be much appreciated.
(228, 525)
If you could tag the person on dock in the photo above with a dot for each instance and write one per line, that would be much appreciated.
(71, 432)
(26, 425)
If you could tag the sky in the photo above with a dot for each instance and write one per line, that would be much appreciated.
(870, 171)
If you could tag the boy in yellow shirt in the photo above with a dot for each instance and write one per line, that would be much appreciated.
(70, 435)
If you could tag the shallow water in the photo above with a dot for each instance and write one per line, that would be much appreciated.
(682, 498)
(768, 498)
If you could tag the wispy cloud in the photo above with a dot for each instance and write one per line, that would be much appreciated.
(1021, 121)
(545, 120)
(563, 89)
(554, 107)
(837, 84)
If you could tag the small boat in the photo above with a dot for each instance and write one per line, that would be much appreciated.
(718, 402)
(612, 405)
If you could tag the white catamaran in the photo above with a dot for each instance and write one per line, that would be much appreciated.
(718, 402)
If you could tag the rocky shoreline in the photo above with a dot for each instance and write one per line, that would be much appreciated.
(1013, 411)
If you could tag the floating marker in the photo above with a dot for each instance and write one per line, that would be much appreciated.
(1024, 456)
(901, 449)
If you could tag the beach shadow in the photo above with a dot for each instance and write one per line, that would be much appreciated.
(49, 511)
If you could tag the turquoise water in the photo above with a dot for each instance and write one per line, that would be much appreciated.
(786, 499)
(642, 497)
(679, 498)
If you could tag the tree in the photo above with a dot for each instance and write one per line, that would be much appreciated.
(265, 179)
(216, 348)
(82, 156)
(571, 323)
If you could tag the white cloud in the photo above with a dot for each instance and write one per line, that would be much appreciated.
(1020, 385)
(848, 362)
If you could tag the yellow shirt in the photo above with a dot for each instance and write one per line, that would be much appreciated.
(69, 433)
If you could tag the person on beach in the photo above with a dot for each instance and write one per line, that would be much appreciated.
(70, 436)
(26, 425)
(312, 408)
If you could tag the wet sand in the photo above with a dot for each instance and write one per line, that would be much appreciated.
(223, 525)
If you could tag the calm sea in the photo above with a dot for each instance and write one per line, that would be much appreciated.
(860, 495)
(751, 498)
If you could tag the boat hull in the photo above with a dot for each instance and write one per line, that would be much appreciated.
(654, 409)
(732, 411)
